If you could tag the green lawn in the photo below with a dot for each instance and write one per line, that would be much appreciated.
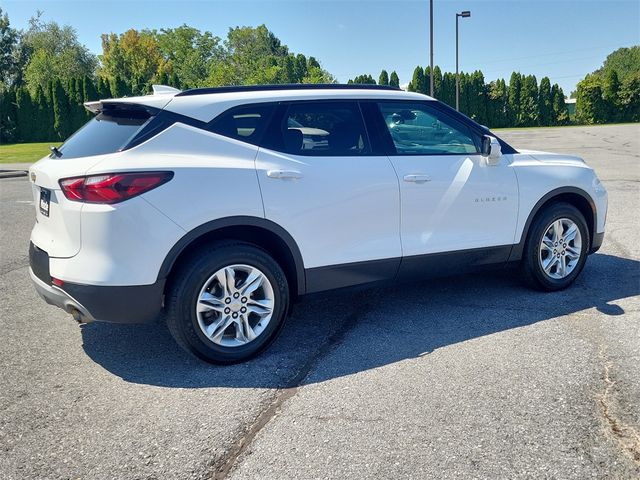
(24, 152)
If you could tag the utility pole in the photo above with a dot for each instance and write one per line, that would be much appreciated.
(431, 46)
(464, 14)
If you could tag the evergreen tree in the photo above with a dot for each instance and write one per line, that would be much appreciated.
(529, 101)
(394, 81)
(448, 89)
(437, 82)
(384, 78)
(119, 88)
(76, 104)
(427, 80)
(560, 115)
(25, 114)
(61, 123)
(418, 83)
(103, 89)
(363, 80)
(515, 84)
(497, 98)
(8, 115)
(43, 117)
(89, 92)
(545, 107)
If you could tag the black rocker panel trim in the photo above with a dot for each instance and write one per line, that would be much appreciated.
(404, 269)
(452, 263)
(518, 249)
(344, 275)
(237, 221)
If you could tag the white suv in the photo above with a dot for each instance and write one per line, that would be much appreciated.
(221, 206)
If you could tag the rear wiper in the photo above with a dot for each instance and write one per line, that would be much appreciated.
(55, 151)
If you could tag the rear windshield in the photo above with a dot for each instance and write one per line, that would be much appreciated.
(107, 132)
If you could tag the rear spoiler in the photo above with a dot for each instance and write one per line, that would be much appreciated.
(162, 94)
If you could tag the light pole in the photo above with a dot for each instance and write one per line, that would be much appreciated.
(431, 47)
(464, 14)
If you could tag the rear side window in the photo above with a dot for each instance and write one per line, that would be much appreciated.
(246, 123)
(107, 132)
(323, 129)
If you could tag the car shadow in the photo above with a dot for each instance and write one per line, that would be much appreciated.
(366, 330)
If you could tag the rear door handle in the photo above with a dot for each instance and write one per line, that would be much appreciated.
(284, 174)
(417, 178)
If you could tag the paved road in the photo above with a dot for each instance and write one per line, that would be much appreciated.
(471, 377)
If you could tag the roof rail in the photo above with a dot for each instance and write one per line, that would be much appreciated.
(285, 86)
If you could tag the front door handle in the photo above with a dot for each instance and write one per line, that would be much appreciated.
(417, 178)
(284, 174)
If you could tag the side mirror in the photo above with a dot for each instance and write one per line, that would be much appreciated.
(491, 150)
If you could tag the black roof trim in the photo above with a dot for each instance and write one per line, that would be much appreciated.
(286, 86)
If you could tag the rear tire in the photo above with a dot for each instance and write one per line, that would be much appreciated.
(556, 248)
(227, 302)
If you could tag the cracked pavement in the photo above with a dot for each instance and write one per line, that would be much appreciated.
(467, 377)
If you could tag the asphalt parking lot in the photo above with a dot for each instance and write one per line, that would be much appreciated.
(468, 377)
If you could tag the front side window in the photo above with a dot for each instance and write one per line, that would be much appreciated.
(418, 129)
(245, 123)
(323, 129)
(107, 132)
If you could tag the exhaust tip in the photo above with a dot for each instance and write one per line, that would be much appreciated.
(77, 316)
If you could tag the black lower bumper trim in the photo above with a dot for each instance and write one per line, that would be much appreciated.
(129, 304)
(598, 238)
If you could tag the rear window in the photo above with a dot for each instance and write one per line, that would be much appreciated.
(107, 132)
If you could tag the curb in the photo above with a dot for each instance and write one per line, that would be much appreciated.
(13, 173)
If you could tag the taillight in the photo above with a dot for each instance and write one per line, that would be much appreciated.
(112, 187)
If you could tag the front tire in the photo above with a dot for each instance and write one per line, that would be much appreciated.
(227, 302)
(556, 248)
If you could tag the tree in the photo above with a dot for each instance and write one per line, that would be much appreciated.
(54, 53)
(529, 101)
(624, 61)
(515, 84)
(497, 105)
(43, 121)
(9, 37)
(590, 105)
(611, 95)
(448, 89)
(394, 81)
(8, 115)
(189, 53)
(560, 115)
(437, 81)
(545, 107)
(363, 80)
(630, 98)
(418, 82)
(383, 79)
(25, 116)
(133, 58)
(102, 88)
(61, 121)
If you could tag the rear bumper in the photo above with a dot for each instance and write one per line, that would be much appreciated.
(56, 296)
(88, 303)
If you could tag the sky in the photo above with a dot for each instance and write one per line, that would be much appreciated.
(563, 40)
